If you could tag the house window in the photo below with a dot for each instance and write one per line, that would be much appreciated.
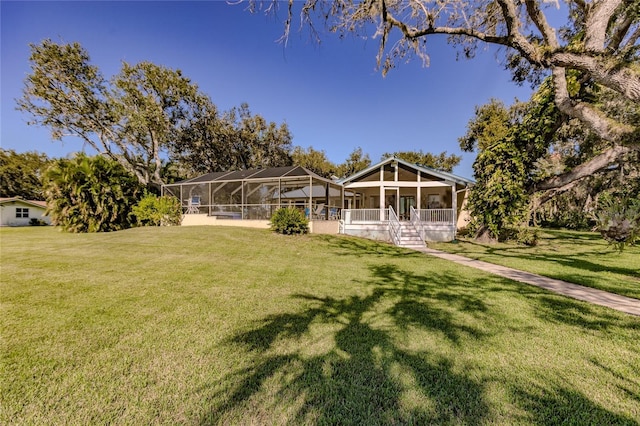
(433, 201)
(22, 212)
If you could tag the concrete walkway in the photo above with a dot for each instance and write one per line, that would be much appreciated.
(587, 294)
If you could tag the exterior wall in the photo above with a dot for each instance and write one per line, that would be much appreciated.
(464, 217)
(315, 226)
(324, 227)
(378, 232)
(439, 233)
(8, 214)
(203, 219)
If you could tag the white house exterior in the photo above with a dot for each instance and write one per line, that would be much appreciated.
(404, 203)
(393, 200)
(18, 212)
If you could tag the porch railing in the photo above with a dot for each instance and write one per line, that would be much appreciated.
(394, 227)
(417, 223)
(365, 215)
(425, 216)
(436, 215)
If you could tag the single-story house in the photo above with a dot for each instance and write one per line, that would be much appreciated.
(392, 200)
(16, 211)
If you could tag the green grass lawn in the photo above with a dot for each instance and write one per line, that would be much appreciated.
(207, 325)
(578, 257)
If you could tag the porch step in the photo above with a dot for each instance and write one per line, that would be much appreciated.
(409, 237)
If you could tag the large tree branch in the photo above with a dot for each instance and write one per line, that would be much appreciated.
(597, 163)
(620, 32)
(597, 22)
(621, 79)
(538, 18)
(513, 39)
(604, 127)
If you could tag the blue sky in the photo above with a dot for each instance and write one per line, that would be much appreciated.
(330, 95)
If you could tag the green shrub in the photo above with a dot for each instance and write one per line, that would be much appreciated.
(152, 210)
(37, 222)
(618, 218)
(522, 235)
(289, 221)
(90, 194)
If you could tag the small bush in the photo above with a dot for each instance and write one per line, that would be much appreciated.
(521, 235)
(156, 211)
(289, 221)
(37, 222)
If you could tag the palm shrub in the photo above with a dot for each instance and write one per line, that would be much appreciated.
(90, 194)
(152, 210)
(289, 221)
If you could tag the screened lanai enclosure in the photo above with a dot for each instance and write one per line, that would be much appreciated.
(257, 194)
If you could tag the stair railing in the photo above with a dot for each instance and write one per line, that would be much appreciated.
(394, 227)
(417, 223)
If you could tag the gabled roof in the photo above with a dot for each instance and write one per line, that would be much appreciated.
(428, 170)
(254, 174)
(35, 203)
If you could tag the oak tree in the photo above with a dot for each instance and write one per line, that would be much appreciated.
(579, 42)
(131, 118)
(21, 174)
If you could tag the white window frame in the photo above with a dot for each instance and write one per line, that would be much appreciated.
(22, 212)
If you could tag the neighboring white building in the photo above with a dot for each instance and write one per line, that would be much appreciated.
(18, 212)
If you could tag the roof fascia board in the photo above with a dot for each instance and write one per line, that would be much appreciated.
(21, 200)
(367, 170)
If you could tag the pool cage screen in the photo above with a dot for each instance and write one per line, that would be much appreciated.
(257, 194)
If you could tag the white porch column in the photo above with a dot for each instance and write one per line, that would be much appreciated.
(381, 193)
(382, 206)
(419, 191)
(454, 205)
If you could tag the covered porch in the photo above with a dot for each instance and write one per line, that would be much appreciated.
(428, 202)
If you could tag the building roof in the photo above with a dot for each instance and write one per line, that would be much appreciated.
(428, 170)
(36, 203)
(253, 174)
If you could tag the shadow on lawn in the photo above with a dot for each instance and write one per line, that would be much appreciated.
(361, 373)
(362, 247)
(361, 378)
(575, 260)
(581, 314)
(553, 405)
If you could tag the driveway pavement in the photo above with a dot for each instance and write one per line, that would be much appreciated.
(587, 294)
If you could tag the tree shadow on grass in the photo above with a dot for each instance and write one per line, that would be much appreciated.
(346, 360)
(362, 247)
(628, 385)
(575, 260)
(362, 376)
(554, 405)
(582, 314)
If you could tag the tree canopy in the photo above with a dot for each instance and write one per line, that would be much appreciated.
(233, 140)
(441, 161)
(585, 46)
(314, 160)
(21, 174)
(147, 117)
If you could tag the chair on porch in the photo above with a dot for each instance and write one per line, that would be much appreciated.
(318, 211)
(333, 214)
(193, 205)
